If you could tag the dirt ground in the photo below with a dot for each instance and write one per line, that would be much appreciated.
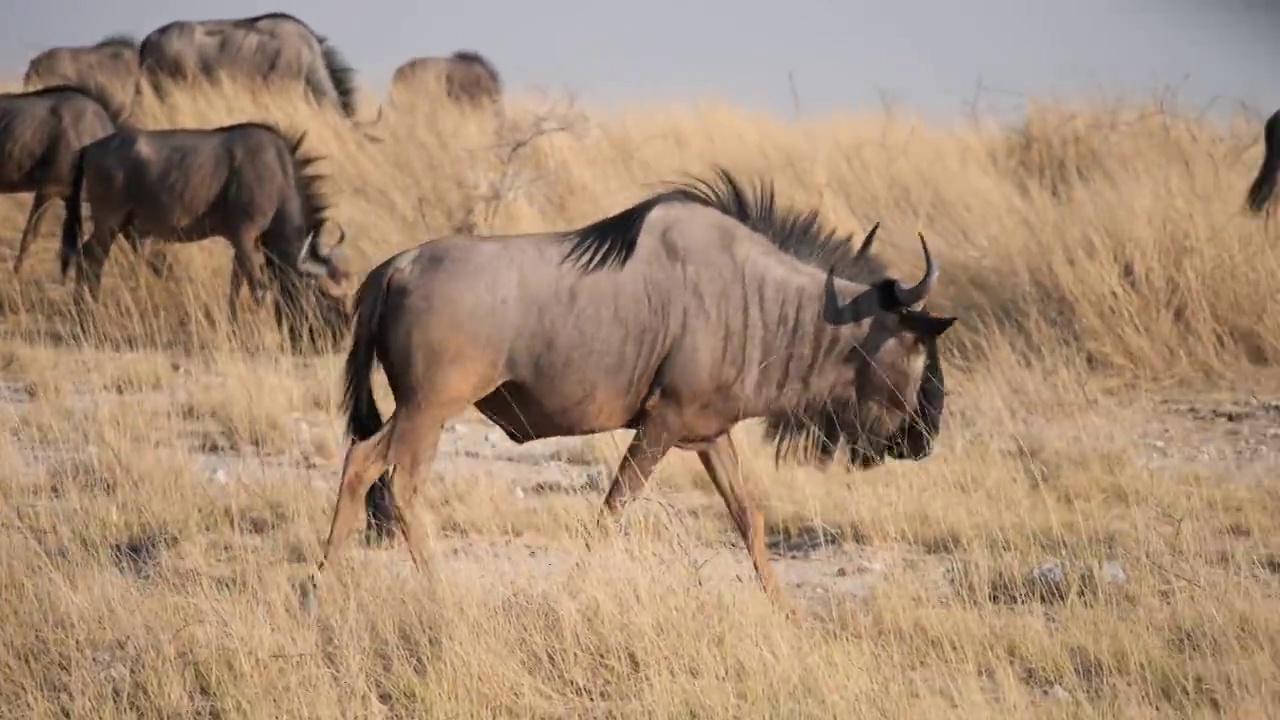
(1231, 432)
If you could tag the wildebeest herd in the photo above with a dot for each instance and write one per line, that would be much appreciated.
(693, 310)
(69, 135)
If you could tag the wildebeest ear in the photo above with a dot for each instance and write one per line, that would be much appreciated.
(924, 324)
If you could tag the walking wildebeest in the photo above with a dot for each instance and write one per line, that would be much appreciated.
(705, 320)
(108, 68)
(40, 133)
(245, 182)
(1264, 184)
(465, 77)
(275, 47)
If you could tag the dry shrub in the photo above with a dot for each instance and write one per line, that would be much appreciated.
(170, 479)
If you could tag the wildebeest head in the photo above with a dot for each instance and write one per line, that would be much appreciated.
(895, 373)
(316, 298)
(896, 403)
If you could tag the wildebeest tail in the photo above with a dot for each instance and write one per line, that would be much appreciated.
(1264, 185)
(72, 223)
(363, 417)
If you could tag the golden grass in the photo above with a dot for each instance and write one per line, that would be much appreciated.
(169, 481)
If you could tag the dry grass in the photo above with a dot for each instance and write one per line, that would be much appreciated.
(169, 482)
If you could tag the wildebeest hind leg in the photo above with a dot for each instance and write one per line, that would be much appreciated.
(94, 254)
(30, 231)
(406, 441)
(413, 450)
(365, 461)
(722, 464)
(244, 260)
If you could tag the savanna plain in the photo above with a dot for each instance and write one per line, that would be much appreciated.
(1097, 533)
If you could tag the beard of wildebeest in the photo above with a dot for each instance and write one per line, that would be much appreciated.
(314, 321)
(310, 295)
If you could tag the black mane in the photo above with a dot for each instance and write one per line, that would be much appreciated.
(341, 74)
(611, 241)
(276, 16)
(118, 40)
(471, 56)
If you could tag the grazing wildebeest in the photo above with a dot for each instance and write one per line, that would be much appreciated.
(109, 68)
(245, 182)
(275, 47)
(1264, 184)
(40, 133)
(705, 320)
(465, 77)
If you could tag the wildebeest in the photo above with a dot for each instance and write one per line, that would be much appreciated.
(1264, 184)
(465, 77)
(274, 46)
(109, 68)
(245, 182)
(705, 320)
(40, 133)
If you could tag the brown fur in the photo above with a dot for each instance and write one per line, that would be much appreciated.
(244, 182)
(108, 69)
(40, 133)
(465, 77)
(675, 318)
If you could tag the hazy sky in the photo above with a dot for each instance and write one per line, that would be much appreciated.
(927, 55)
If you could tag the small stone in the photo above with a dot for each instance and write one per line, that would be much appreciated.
(842, 571)
(1057, 692)
(1113, 573)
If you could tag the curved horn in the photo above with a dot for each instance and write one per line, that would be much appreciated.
(865, 247)
(310, 260)
(909, 297)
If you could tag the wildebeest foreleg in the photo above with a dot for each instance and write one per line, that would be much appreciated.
(648, 446)
(30, 231)
(722, 464)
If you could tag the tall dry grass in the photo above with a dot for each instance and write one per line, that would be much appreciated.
(161, 499)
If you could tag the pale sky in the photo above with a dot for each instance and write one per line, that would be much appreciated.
(927, 55)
